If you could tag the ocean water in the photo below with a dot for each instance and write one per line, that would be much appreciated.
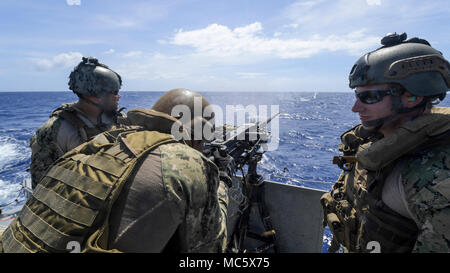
(309, 128)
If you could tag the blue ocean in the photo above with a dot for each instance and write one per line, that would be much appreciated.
(310, 125)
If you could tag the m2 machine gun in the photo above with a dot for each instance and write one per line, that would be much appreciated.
(246, 145)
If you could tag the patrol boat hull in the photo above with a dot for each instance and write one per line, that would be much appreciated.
(295, 214)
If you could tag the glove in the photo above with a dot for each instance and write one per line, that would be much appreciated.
(226, 165)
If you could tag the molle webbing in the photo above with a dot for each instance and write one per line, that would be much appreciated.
(84, 131)
(361, 184)
(424, 130)
(74, 199)
(394, 232)
(69, 112)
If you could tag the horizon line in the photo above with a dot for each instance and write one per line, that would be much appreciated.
(232, 91)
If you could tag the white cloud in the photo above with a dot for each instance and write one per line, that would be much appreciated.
(373, 2)
(221, 41)
(277, 34)
(133, 54)
(73, 2)
(250, 75)
(117, 22)
(135, 14)
(291, 26)
(156, 66)
(337, 16)
(109, 51)
(62, 60)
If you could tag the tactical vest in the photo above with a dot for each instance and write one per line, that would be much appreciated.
(354, 210)
(69, 113)
(72, 203)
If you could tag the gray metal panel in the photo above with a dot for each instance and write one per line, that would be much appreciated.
(296, 216)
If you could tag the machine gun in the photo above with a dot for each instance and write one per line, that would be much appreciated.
(246, 145)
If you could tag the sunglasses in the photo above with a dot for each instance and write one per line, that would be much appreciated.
(372, 96)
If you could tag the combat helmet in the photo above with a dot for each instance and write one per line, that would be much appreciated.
(189, 102)
(412, 64)
(92, 78)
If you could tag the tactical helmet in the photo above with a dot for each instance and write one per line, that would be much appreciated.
(195, 102)
(93, 79)
(414, 64)
(180, 96)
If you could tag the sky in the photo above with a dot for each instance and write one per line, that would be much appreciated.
(207, 45)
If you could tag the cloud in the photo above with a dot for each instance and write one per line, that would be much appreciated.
(277, 34)
(249, 75)
(116, 22)
(135, 15)
(343, 16)
(291, 26)
(220, 41)
(133, 54)
(153, 66)
(376, 16)
(373, 2)
(62, 60)
(160, 72)
(109, 51)
(73, 2)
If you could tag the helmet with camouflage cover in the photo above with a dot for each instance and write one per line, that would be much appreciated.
(92, 78)
(413, 64)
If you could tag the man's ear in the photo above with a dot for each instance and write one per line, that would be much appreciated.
(412, 100)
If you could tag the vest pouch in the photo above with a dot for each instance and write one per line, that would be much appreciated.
(73, 201)
(336, 227)
(327, 201)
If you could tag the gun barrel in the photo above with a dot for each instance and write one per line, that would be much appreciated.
(269, 119)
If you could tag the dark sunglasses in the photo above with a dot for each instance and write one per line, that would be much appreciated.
(372, 96)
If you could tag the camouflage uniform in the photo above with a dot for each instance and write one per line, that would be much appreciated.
(57, 136)
(174, 202)
(167, 207)
(394, 190)
(132, 189)
(426, 182)
(68, 125)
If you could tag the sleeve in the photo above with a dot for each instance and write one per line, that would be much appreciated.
(427, 189)
(191, 177)
(44, 149)
(222, 196)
